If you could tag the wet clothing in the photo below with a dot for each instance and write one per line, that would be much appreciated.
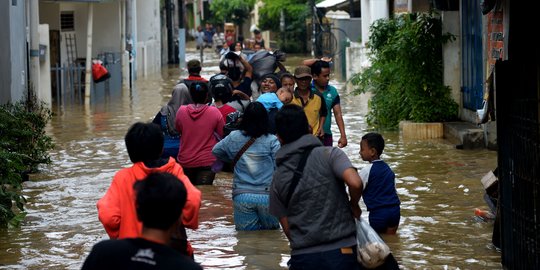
(116, 209)
(338, 259)
(136, 253)
(314, 107)
(197, 124)
(252, 175)
(166, 117)
(319, 216)
(331, 98)
(380, 195)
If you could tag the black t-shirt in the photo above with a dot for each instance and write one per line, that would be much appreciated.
(136, 253)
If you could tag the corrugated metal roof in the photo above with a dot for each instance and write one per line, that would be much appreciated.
(329, 3)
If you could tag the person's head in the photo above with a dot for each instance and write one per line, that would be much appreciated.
(257, 46)
(257, 33)
(269, 83)
(221, 88)
(321, 73)
(234, 73)
(287, 80)
(199, 28)
(199, 92)
(237, 46)
(254, 120)
(194, 67)
(223, 67)
(284, 95)
(144, 142)
(291, 123)
(371, 146)
(160, 198)
(302, 77)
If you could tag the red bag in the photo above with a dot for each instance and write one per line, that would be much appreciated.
(99, 72)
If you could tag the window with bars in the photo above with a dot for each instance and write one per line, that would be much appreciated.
(67, 21)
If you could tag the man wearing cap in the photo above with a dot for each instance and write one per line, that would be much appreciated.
(312, 102)
(194, 70)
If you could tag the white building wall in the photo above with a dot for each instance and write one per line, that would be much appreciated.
(44, 93)
(106, 31)
(452, 55)
(148, 36)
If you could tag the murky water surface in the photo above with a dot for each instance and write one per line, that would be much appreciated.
(438, 185)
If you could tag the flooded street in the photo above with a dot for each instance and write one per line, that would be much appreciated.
(439, 187)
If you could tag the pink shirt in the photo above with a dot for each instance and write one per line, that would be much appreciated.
(197, 124)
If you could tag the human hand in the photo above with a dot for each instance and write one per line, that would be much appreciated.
(320, 133)
(342, 142)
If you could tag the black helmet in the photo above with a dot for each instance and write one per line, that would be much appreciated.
(221, 87)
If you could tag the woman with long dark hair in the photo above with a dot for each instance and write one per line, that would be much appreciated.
(252, 150)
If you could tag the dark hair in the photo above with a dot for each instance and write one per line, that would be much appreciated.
(375, 140)
(317, 67)
(194, 70)
(160, 199)
(199, 92)
(254, 120)
(222, 65)
(273, 77)
(286, 75)
(256, 32)
(291, 123)
(144, 142)
(234, 73)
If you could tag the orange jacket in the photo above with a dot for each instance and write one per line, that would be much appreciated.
(116, 210)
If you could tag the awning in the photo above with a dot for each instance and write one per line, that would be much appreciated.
(329, 3)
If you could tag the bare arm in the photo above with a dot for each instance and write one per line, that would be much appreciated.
(285, 226)
(247, 67)
(320, 131)
(354, 182)
(342, 142)
(309, 62)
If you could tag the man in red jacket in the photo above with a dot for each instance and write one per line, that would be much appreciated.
(116, 209)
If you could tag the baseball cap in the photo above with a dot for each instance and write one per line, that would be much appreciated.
(302, 72)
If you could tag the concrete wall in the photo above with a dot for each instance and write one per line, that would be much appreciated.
(44, 93)
(452, 55)
(13, 76)
(148, 37)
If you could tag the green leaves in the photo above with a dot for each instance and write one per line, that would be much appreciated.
(231, 10)
(23, 146)
(406, 75)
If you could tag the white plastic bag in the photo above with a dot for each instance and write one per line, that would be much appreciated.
(372, 250)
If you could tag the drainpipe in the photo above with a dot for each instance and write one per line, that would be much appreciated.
(34, 50)
(88, 74)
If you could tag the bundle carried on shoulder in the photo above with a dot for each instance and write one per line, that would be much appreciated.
(372, 250)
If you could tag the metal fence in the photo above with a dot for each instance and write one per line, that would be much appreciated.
(518, 131)
(68, 80)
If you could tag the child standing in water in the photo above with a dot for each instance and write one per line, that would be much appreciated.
(380, 195)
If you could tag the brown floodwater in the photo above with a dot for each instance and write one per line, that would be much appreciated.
(439, 187)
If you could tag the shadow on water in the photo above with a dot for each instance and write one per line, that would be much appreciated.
(438, 185)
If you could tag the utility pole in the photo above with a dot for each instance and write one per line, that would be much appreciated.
(181, 34)
(313, 29)
(88, 69)
(34, 49)
(170, 38)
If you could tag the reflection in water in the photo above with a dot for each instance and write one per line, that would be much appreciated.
(438, 185)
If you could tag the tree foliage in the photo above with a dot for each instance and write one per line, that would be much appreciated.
(295, 13)
(23, 146)
(406, 75)
(236, 11)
